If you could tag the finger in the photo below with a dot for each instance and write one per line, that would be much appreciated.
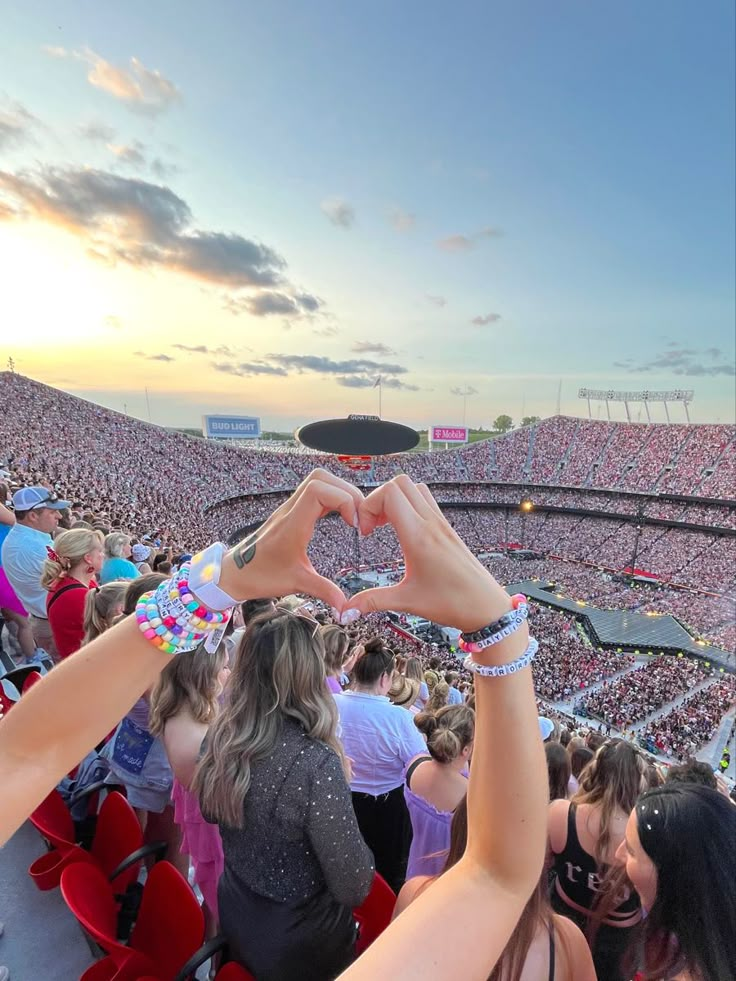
(319, 498)
(311, 583)
(428, 497)
(412, 492)
(325, 477)
(388, 503)
(398, 598)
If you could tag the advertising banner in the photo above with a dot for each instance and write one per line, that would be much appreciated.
(231, 427)
(448, 434)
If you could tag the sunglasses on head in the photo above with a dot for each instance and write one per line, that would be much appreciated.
(49, 499)
(302, 614)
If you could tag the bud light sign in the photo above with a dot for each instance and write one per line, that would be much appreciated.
(448, 434)
(231, 427)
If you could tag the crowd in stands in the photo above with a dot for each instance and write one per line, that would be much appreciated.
(682, 732)
(644, 691)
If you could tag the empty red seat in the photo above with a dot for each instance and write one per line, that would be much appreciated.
(374, 913)
(167, 933)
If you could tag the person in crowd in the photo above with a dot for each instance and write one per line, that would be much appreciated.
(403, 692)
(437, 697)
(381, 740)
(679, 855)
(140, 554)
(436, 782)
(414, 672)
(102, 606)
(11, 608)
(580, 756)
(69, 574)
(183, 705)
(272, 776)
(692, 771)
(137, 758)
(37, 513)
(454, 697)
(117, 564)
(543, 947)
(584, 835)
(432, 674)
(336, 643)
(558, 770)
(58, 721)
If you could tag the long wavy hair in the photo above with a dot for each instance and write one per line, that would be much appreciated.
(189, 681)
(278, 673)
(612, 781)
(101, 607)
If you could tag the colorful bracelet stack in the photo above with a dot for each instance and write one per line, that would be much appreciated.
(494, 633)
(173, 619)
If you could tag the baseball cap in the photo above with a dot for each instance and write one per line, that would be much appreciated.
(546, 727)
(33, 498)
(140, 553)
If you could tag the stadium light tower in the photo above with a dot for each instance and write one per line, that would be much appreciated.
(464, 392)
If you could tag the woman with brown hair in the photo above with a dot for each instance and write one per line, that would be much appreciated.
(437, 783)
(558, 770)
(272, 776)
(337, 644)
(184, 704)
(543, 945)
(584, 835)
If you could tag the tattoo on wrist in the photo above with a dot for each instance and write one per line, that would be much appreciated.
(244, 553)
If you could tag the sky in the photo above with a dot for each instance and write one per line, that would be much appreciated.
(259, 209)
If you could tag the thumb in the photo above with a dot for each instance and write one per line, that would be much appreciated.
(380, 599)
(318, 586)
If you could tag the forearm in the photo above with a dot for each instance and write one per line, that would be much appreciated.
(507, 795)
(60, 719)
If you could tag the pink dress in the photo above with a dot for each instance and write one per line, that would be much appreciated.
(201, 841)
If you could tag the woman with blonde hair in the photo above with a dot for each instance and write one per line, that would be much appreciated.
(414, 672)
(183, 705)
(436, 783)
(272, 776)
(438, 697)
(584, 835)
(117, 564)
(69, 574)
(102, 606)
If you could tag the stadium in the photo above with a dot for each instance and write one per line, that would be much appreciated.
(622, 535)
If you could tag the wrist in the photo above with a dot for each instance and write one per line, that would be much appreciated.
(489, 606)
(233, 580)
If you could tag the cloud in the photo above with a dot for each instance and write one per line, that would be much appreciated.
(129, 220)
(250, 369)
(17, 125)
(112, 321)
(131, 154)
(689, 362)
(223, 350)
(339, 212)
(360, 381)
(275, 303)
(437, 301)
(402, 221)
(96, 132)
(324, 365)
(163, 170)
(483, 321)
(154, 357)
(467, 391)
(329, 330)
(372, 347)
(141, 89)
(464, 243)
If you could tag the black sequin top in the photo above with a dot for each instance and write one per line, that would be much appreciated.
(299, 835)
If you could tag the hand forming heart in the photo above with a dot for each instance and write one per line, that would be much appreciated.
(443, 581)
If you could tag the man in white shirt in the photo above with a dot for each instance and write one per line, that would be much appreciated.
(25, 549)
(454, 695)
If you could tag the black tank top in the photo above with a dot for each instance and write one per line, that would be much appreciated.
(580, 877)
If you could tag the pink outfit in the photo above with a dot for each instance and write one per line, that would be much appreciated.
(8, 598)
(201, 841)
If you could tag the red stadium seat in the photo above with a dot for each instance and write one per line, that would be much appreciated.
(374, 914)
(168, 931)
(32, 679)
(117, 847)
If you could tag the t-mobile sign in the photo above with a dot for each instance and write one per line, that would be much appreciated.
(448, 434)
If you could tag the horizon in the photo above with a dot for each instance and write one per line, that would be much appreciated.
(489, 207)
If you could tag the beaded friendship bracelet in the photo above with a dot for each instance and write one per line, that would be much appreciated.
(518, 601)
(502, 670)
(512, 622)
